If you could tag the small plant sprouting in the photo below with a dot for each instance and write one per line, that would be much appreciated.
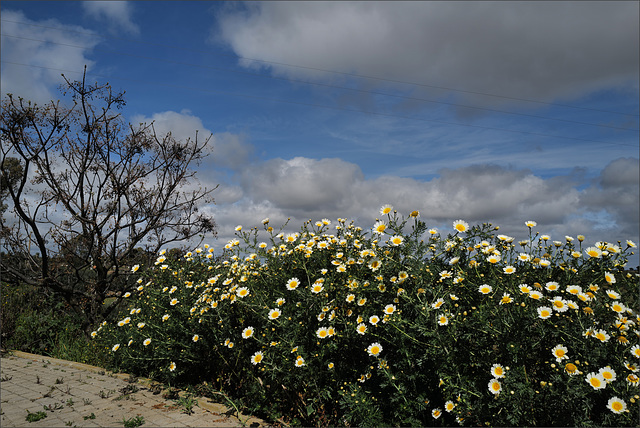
(70, 402)
(86, 401)
(59, 381)
(187, 402)
(38, 380)
(103, 394)
(133, 422)
(35, 417)
(6, 378)
(91, 416)
(51, 389)
(52, 407)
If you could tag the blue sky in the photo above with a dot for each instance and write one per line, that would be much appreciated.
(485, 111)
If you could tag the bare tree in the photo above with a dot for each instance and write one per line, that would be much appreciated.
(90, 192)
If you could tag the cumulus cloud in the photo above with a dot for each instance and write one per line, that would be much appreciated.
(33, 45)
(117, 15)
(227, 150)
(302, 185)
(615, 195)
(545, 51)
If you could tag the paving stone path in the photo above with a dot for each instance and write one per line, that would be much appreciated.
(74, 394)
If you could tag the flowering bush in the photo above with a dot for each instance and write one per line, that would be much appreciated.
(394, 326)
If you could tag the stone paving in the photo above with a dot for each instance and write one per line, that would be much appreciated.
(74, 394)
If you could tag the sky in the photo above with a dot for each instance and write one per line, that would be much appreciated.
(498, 112)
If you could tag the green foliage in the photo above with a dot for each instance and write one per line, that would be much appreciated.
(39, 322)
(133, 422)
(35, 417)
(398, 327)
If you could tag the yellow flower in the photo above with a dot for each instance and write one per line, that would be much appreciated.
(386, 209)
(374, 349)
(524, 288)
(596, 381)
(593, 252)
(608, 374)
(274, 314)
(389, 309)
(443, 320)
(379, 227)
(461, 225)
(449, 405)
(571, 369)
(509, 270)
(497, 371)
(494, 386)
(293, 283)
(616, 405)
(506, 298)
(322, 332)
(485, 289)
(544, 312)
(560, 352)
(247, 332)
(396, 240)
(257, 358)
(493, 258)
(172, 366)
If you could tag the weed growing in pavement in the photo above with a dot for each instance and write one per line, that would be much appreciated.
(394, 326)
(53, 407)
(107, 394)
(133, 422)
(187, 403)
(35, 417)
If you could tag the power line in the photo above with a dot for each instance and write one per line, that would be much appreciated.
(325, 106)
(322, 70)
(409, 98)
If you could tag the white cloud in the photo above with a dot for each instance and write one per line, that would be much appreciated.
(616, 194)
(181, 125)
(227, 150)
(34, 46)
(540, 50)
(117, 15)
